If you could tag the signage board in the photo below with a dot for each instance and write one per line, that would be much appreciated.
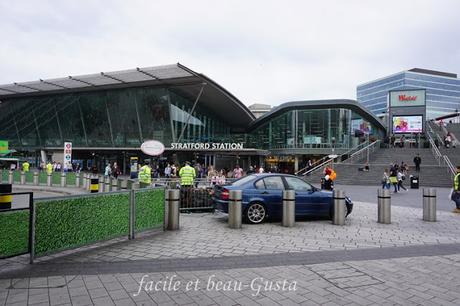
(152, 148)
(4, 147)
(67, 163)
(360, 125)
(210, 146)
(405, 98)
(407, 124)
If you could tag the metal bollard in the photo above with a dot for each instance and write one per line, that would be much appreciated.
(114, 184)
(234, 209)
(135, 186)
(172, 203)
(108, 184)
(85, 180)
(101, 184)
(23, 178)
(94, 185)
(10, 177)
(63, 179)
(339, 207)
(36, 174)
(5, 200)
(77, 179)
(429, 204)
(122, 184)
(384, 206)
(129, 184)
(48, 180)
(288, 208)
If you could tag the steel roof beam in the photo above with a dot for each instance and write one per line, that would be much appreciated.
(148, 74)
(81, 81)
(25, 86)
(9, 90)
(111, 77)
(49, 83)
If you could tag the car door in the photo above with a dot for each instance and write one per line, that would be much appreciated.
(309, 201)
(273, 194)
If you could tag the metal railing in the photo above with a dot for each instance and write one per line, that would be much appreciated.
(313, 165)
(450, 166)
(358, 155)
(320, 166)
(441, 159)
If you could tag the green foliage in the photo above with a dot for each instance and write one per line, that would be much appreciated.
(4, 175)
(17, 176)
(29, 177)
(68, 223)
(56, 178)
(42, 178)
(149, 209)
(71, 179)
(14, 232)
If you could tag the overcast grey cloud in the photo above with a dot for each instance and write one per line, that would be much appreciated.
(261, 51)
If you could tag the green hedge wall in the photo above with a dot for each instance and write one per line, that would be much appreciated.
(29, 177)
(5, 176)
(14, 232)
(149, 209)
(69, 223)
(70, 178)
(17, 176)
(42, 178)
(56, 178)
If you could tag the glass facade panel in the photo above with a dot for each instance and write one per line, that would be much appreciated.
(439, 89)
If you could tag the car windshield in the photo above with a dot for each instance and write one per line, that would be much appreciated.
(243, 180)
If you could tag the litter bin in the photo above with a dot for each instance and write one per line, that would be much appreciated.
(414, 182)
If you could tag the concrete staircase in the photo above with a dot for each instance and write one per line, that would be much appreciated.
(431, 174)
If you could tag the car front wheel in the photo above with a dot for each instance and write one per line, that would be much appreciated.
(256, 213)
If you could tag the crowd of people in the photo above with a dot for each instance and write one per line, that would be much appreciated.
(395, 177)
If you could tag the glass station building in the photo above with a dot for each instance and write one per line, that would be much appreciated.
(107, 116)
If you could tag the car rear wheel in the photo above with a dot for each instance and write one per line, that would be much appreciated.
(256, 213)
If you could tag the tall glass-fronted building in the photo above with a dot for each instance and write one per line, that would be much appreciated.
(442, 91)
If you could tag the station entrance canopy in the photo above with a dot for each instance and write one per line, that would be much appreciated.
(176, 77)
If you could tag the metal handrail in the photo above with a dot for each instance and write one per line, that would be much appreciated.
(312, 165)
(329, 161)
(372, 146)
(450, 166)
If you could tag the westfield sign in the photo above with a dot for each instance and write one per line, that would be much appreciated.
(407, 98)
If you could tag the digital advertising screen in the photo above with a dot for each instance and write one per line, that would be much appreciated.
(361, 125)
(407, 124)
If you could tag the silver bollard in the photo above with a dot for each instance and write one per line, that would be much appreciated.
(48, 180)
(383, 206)
(288, 208)
(85, 180)
(63, 179)
(101, 184)
(135, 186)
(108, 183)
(339, 207)
(122, 184)
(23, 178)
(429, 204)
(10, 177)
(234, 209)
(36, 174)
(77, 179)
(114, 184)
(172, 203)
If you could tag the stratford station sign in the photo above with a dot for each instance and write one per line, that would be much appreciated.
(207, 146)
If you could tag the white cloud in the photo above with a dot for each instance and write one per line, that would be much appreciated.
(261, 51)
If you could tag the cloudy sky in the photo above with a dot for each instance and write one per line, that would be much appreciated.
(261, 51)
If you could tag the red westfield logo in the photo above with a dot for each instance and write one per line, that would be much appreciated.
(407, 98)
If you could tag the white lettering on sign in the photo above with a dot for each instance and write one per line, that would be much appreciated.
(206, 146)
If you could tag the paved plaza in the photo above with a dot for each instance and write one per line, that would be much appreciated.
(407, 262)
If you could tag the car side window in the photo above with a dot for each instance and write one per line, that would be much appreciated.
(273, 182)
(260, 184)
(298, 184)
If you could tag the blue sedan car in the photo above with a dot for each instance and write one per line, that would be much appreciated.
(263, 197)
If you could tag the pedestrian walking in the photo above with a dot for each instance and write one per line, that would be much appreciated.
(108, 170)
(237, 172)
(394, 178)
(168, 171)
(455, 195)
(385, 180)
(401, 177)
(417, 162)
